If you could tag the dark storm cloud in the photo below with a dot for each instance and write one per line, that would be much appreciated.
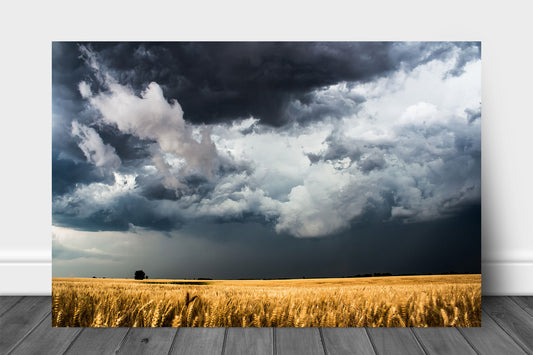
(277, 83)
(70, 166)
(66, 173)
(322, 103)
(248, 250)
(338, 148)
(119, 215)
(413, 54)
(67, 71)
(467, 53)
(473, 115)
(221, 81)
(154, 188)
(373, 161)
(128, 147)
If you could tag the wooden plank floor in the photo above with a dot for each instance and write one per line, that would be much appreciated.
(25, 328)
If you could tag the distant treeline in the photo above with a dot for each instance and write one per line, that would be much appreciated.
(375, 274)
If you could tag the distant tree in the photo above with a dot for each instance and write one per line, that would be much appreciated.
(146, 276)
(139, 275)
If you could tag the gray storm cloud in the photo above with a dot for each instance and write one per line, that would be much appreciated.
(407, 146)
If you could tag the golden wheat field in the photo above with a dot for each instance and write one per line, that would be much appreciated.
(397, 301)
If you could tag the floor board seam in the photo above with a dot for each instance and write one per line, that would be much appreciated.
(517, 341)
(28, 333)
(468, 341)
(322, 341)
(371, 341)
(274, 345)
(123, 341)
(522, 307)
(274, 350)
(419, 342)
(173, 341)
(224, 341)
(13, 305)
(73, 340)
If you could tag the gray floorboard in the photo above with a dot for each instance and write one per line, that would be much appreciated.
(20, 319)
(6, 302)
(206, 341)
(394, 340)
(148, 341)
(46, 339)
(490, 339)
(443, 341)
(296, 341)
(525, 302)
(96, 341)
(245, 341)
(513, 319)
(346, 341)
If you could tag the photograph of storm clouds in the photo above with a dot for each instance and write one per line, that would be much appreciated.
(263, 160)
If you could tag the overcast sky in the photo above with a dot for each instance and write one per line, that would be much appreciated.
(260, 160)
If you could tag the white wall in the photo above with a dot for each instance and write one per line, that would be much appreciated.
(27, 28)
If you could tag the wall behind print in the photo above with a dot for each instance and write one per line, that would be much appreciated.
(25, 89)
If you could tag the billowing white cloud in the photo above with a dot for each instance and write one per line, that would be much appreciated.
(88, 199)
(170, 181)
(325, 203)
(91, 144)
(151, 116)
(233, 196)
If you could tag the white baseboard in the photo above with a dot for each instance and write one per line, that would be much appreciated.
(507, 278)
(26, 278)
(500, 278)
